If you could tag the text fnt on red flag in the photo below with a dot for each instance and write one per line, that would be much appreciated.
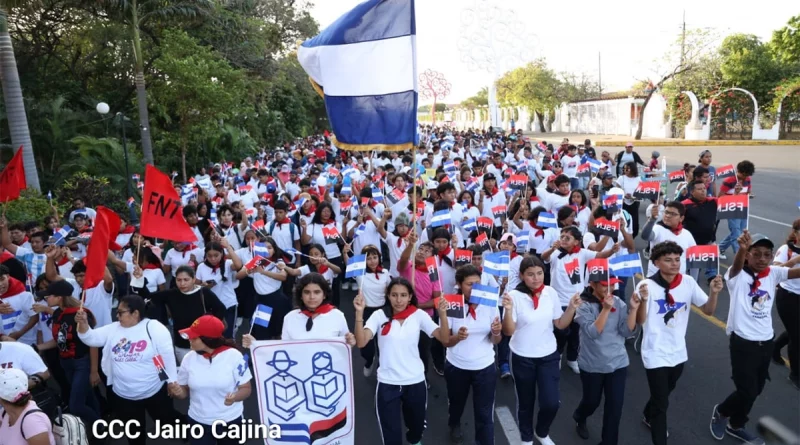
(12, 180)
(162, 212)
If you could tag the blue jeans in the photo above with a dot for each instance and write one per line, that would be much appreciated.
(82, 402)
(483, 383)
(530, 375)
(574, 183)
(208, 437)
(735, 226)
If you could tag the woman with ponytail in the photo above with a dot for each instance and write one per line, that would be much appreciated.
(219, 275)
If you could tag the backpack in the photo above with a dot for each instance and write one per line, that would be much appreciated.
(67, 429)
(291, 229)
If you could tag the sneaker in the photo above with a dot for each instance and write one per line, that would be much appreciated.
(354, 286)
(646, 253)
(647, 424)
(573, 366)
(722, 256)
(582, 430)
(744, 435)
(718, 423)
(367, 371)
(505, 371)
(456, 438)
(544, 440)
(527, 443)
(438, 370)
(345, 285)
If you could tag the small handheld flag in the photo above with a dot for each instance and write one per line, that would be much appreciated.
(440, 218)
(597, 269)
(261, 316)
(482, 241)
(356, 266)
(733, 206)
(647, 190)
(433, 269)
(677, 176)
(499, 211)
(486, 223)
(547, 220)
(607, 228)
(726, 171)
(158, 361)
(455, 305)
(484, 295)
(463, 257)
(702, 257)
(625, 265)
(496, 264)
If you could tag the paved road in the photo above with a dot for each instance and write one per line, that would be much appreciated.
(706, 378)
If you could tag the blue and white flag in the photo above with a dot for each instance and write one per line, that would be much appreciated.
(212, 215)
(260, 249)
(262, 315)
(377, 196)
(450, 166)
(359, 230)
(469, 225)
(440, 218)
(625, 265)
(496, 263)
(522, 240)
(292, 251)
(594, 164)
(60, 237)
(547, 221)
(485, 295)
(356, 266)
(364, 66)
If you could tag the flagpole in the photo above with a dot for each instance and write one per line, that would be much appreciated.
(718, 254)
(138, 248)
(747, 224)
(414, 218)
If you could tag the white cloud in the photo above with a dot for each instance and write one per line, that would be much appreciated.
(629, 34)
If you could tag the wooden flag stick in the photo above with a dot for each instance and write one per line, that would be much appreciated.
(138, 249)
(414, 220)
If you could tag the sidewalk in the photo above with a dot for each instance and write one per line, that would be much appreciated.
(612, 140)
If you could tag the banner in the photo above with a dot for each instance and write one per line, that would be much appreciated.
(305, 387)
(703, 257)
(162, 212)
(733, 206)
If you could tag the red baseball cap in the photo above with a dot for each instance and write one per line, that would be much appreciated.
(205, 326)
(613, 281)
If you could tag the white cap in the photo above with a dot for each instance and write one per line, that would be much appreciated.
(13, 384)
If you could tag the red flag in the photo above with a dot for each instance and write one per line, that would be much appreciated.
(12, 180)
(106, 229)
(433, 269)
(162, 212)
(597, 269)
(733, 206)
(677, 176)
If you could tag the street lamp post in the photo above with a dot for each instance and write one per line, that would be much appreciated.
(103, 109)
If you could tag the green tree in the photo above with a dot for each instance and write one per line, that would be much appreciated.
(747, 63)
(481, 99)
(534, 86)
(12, 94)
(197, 88)
(137, 14)
(785, 43)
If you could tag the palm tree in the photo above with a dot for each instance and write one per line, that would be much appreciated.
(135, 14)
(12, 94)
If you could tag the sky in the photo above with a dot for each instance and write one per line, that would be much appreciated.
(629, 36)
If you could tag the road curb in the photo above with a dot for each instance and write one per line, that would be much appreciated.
(693, 143)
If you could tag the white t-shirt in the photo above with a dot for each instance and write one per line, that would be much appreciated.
(330, 325)
(175, 259)
(560, 281)
(664, 330)
(224, 290)
(783, 255)
(534, 323)
(394, 250)
(20, 356)
(374, 289)
(570, 164)
(283, 235)
(22, 305)
(661, 234)
(210, 381)
(750, 313)
(513, 273)
(477, 351)
(315, 230)
(629, 185)
(490, 202)
(553, 201)
(263, 284)
(154, 277)
(399, 362)
(128, 356)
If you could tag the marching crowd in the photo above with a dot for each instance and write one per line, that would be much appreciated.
(534, 240)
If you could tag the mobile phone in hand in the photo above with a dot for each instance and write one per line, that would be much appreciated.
(211, 283)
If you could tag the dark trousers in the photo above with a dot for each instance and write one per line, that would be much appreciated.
(568, 338)
(788, 304)
(281, 305)
(437, 348)
(482, 383)
(369, 350)
(159, 406)
(337, 281)
(633, 209)
(230, 321)
(424, 347)
(750, 371)
(530, 375)
(82, 402)
(392, 401)
(208, 437)
(661, 382)
(595, 386)
(502, 348)
(53, 363)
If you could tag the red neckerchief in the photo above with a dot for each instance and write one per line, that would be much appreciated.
(15, 287)
(513, 255)
(64, 260)
(676, 231)
(153, 266)
(128, 229)
(311, 210)
(493, 192)
(214, 353)
(564, 252)
(405, 313)
(613, 309)
(322, 309)
(471, 311)
(422, 268)
(321, 269)
(186, 249)
(443, 253)
(400, 239)
(85, 228)
(498, 166)
(24, 240)
(535, 294)
(378, 271)
(669, 286)
(756, 277)
(283, 221)
(539, 232)
(577, 208)
(5, 256)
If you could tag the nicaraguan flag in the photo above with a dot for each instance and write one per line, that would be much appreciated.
(291, 251)
(470, 225)
(450, 166)
(356, 266)
(625, 265)
(60, 237)
(262, 315)
(485, 295)
(496, 263)
(364, 66)
(440, 218)
(594, 164)
(260, 249)
(547, 221)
